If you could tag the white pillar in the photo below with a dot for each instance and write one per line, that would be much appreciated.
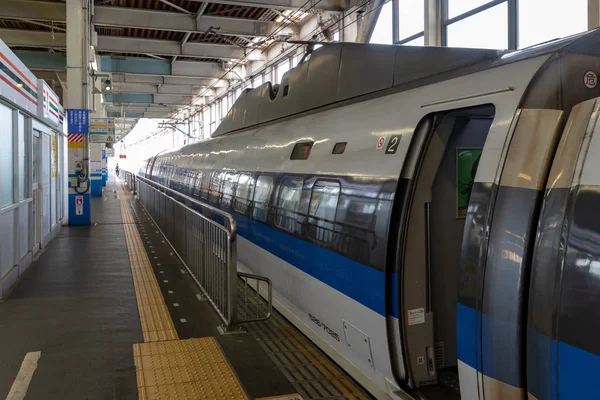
(77, 98)
(593, 14)
(433, 23)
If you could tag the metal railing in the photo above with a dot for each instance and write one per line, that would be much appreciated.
(205, 240)
(130, 181)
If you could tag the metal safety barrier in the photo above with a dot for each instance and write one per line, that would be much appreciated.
(205, 240)
(129, 181)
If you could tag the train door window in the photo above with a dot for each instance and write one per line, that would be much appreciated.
(215, 187)
(228, 189)
(288, 201)
(262, 194)
(322, 210)
(243, 193)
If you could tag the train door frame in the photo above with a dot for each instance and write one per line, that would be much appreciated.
(405, 195)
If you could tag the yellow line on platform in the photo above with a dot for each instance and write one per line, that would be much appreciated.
(185, 369)
(167, 368)
(157, 324)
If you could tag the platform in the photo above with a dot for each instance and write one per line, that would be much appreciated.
(109, 311)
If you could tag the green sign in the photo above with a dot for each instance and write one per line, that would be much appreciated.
(467, 161)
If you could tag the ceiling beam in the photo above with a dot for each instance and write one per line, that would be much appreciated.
(117, 44)
(167, 80)
(325, 5)
(135, 109)
(124, 87)
(38, 10)
(172, 21)
(28, 38)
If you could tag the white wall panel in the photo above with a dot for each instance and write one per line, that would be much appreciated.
(24, 217)
(7, 242)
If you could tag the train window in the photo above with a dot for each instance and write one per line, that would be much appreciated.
(301, 151)
(322, 210)
(228, 189)
(243, 193)
(215, 187)
(288, 200)
(205, 186)
(262, 194)
(197, 184)
(339, 148)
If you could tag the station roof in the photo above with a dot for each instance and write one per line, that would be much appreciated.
(161, 54)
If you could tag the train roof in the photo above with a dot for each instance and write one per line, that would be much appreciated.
(339, 72)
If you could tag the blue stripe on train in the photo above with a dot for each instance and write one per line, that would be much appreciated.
(474, 331)
(578, 370)
(362, 283)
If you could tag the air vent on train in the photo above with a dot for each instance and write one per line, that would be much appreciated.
(440, 355)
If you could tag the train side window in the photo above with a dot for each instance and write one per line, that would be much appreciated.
(228, 189)
(197, 184)
(243, 193)
(262, 194)
(288, 201)
(215, 187)
(322, 210)
(301, 151)
(205, 186)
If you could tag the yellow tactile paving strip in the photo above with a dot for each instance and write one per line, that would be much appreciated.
(157, 324)
(167, 368)
(185, 369)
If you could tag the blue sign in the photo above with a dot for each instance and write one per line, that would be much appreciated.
(103, 153)
(78, 121)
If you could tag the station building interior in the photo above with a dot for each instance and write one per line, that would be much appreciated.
(299, 199)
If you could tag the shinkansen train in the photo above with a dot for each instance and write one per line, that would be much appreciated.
(429, 217)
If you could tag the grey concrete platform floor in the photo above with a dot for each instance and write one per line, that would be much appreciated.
(76, 304)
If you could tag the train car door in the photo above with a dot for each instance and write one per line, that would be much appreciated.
(563, 351)
(433, 236)
(465, 274)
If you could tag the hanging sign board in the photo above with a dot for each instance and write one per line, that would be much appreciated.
(102, 130)
(110, 152)
(467, 161)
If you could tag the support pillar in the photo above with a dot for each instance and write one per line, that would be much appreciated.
(593, 14)
(433, 23)
(78, 98)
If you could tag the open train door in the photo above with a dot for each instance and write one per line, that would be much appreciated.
(466, 250)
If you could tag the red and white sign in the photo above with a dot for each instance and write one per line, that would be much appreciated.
(78, 205)
(380, 143)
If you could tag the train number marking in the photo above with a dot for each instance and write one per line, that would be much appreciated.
(380, 143)
(320, 324)
(393, 145)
